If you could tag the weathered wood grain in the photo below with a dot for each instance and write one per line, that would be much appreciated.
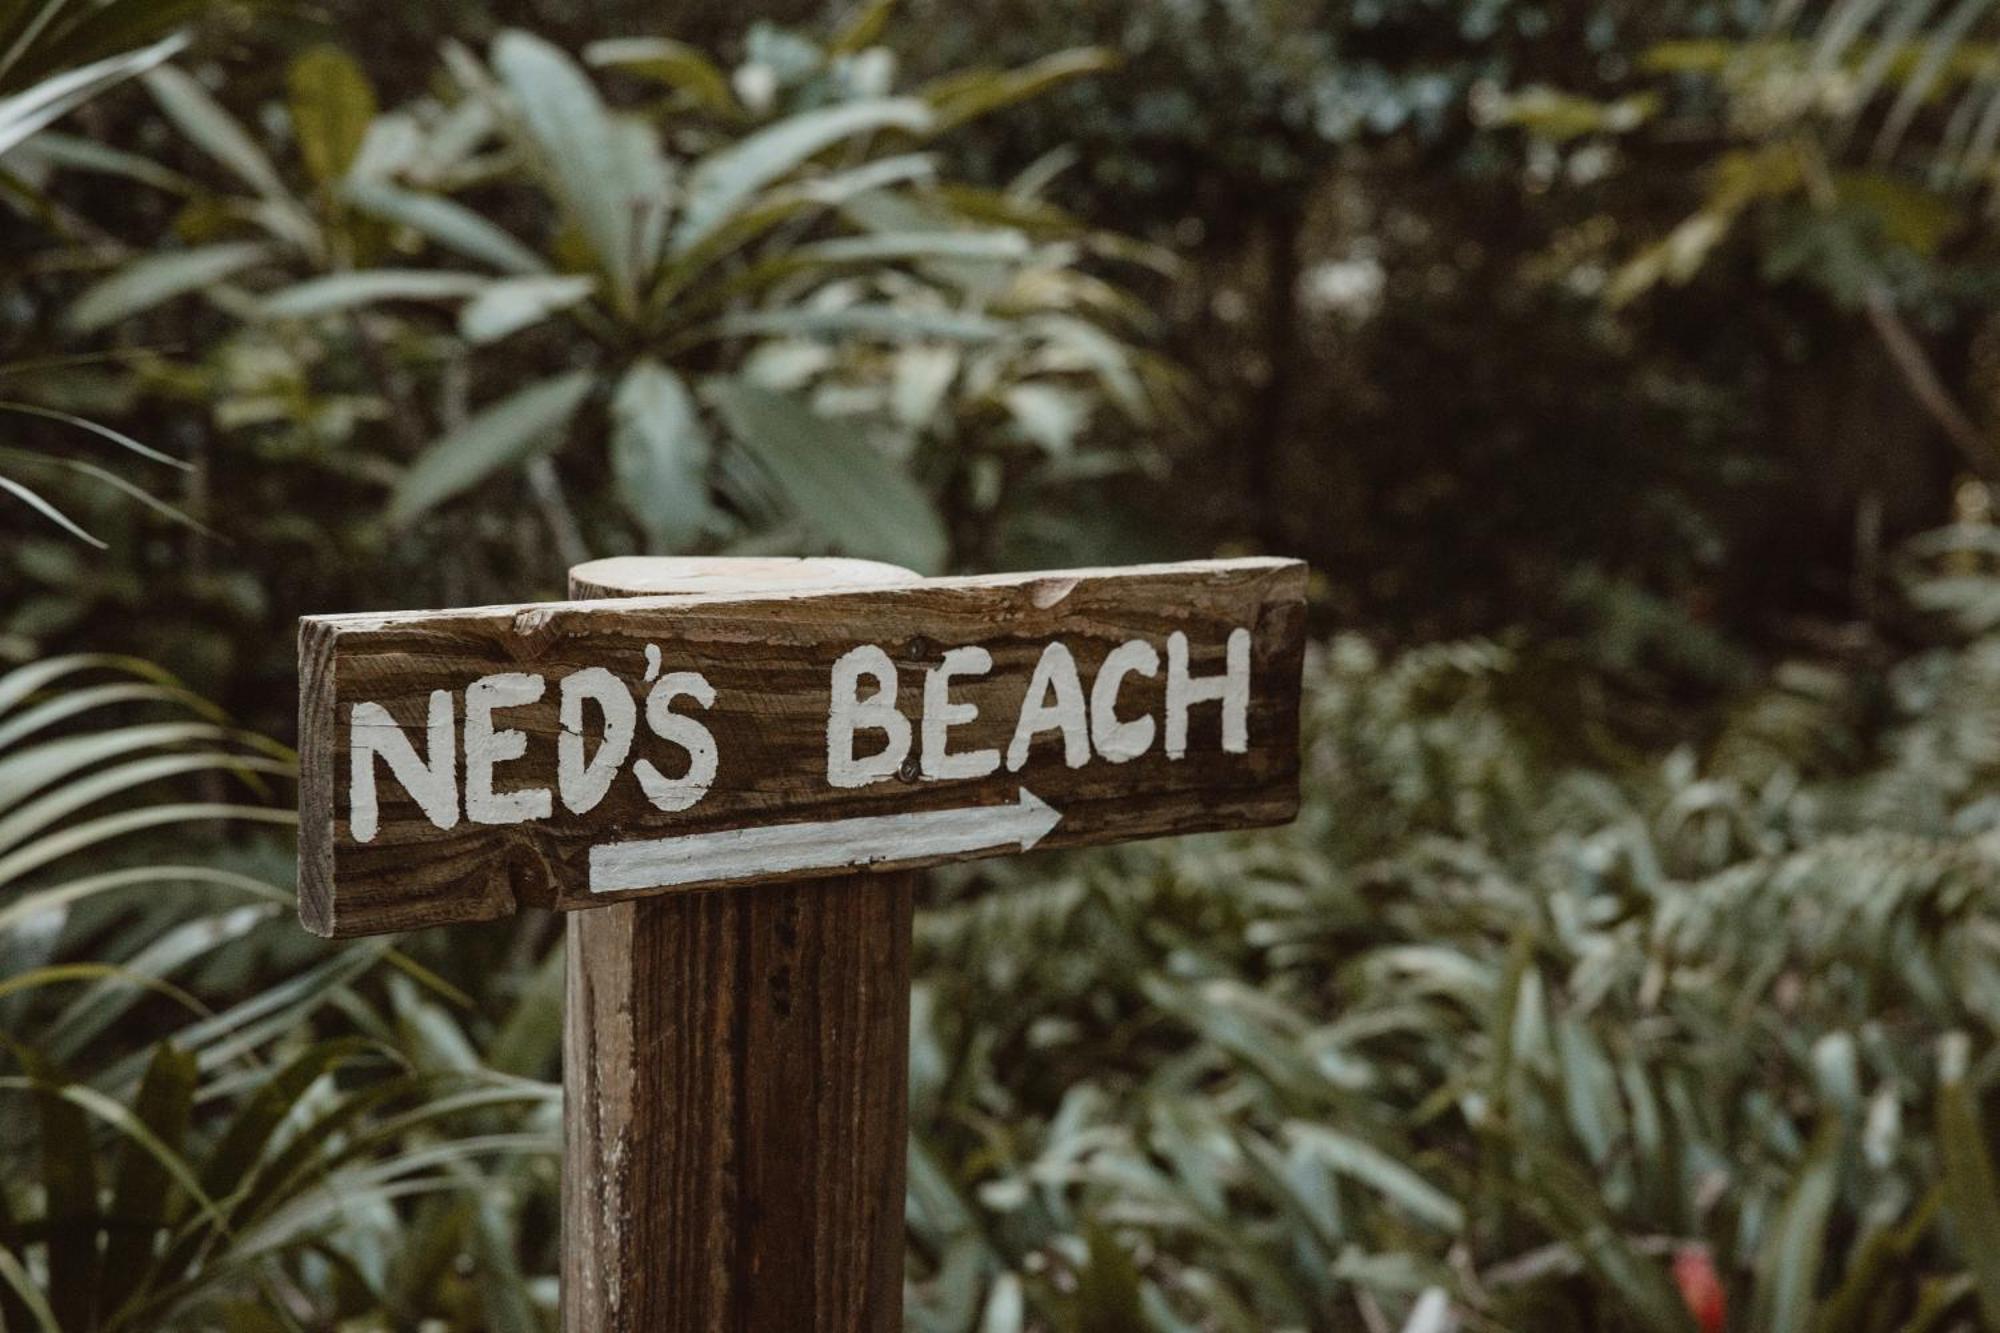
(735, 1106)
(768, 656)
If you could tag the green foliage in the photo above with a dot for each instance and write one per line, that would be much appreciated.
(1490, 1024)
(1499, 1032)
(55, 56)
(1605, 953)
(763, 235)
(226, 1118)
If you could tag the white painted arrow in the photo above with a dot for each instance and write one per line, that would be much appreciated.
(836, 844)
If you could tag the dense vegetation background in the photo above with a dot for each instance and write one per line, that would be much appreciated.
(1626, 370)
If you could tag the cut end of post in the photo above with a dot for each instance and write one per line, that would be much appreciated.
(644, 575)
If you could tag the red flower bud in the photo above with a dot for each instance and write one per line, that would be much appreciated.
(1701, 1288)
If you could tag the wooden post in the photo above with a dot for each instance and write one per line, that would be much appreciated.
(734, 1074)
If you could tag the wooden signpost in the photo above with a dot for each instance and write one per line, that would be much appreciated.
(731, 770)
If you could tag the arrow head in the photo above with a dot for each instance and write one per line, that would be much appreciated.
(1037, 818)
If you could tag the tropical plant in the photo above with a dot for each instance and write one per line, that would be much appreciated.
(1491, 1042)
(232, 1162)
(56, 55)
(687, 295)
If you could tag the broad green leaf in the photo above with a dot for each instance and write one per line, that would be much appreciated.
(959, 98)
(1107, 1289)
(861, 31)
(512, 304)
(607, 171)
(156, 279)
(659, 454)
(776, 207)
(1971, 1193)
(201, 118)
(1795, 1251)
(1382, 1173)
(1049, 415)
(723, 182)
(877, 247)
(338, 292)
(1567, 1199)
(139, 1196)
(853, 496)
(529, 1040)
(243, 1143)
(332, 106)
(449, 223)
(69, 1190)
(921, 376)
(684, 68)
(511, 431)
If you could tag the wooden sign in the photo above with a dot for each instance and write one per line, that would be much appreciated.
(734, 1060)
(460, 764)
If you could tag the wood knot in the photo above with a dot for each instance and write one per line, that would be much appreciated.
(534, 629)
(1046, 593)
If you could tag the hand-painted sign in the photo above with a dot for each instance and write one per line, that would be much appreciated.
(458, 764)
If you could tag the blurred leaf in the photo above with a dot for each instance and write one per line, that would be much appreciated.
(859, 501)
(1396, 1182)
(155, 279)
(69, 1189)
(660, 454)
(723, 182)
(1566, 1198)
(201, 118)
(337, 292)
(864, 29)
(1107, 1289)
(527, 422)
(1789, 1266)
(139, 1196)
(41, 104)
(332, 105)
(80, 154)
(447, 222)
(607, 174)
(511, 304)
(676, 64)
(1971, 1192)
(966, 96)
(54, 515)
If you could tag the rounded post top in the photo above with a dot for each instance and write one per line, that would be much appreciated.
(643, 576)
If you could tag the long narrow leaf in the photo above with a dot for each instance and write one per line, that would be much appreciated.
(511, 431)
